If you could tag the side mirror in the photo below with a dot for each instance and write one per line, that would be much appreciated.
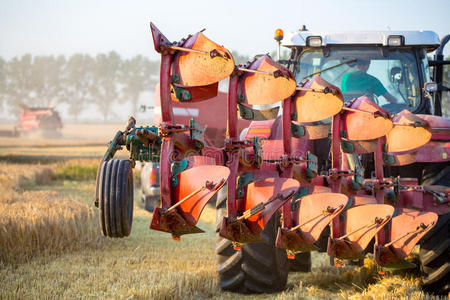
(430, 87)
(143, 108)
(396, 75)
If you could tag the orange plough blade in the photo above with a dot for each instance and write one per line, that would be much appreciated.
(193, 94)
(315, 213)
(209, 64)
(363, 200)
(410, 132)
(317, 189)
(360, 226)
(196, 186)
(317, 105)
(407, 228)
(375, 120)
(315, 130)
(263, 88)
(271, 193)
(360, 146)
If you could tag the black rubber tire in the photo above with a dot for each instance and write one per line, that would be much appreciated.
(436, 174)
(257, 267)
(434, 257)
(116, 198)
(301, 262)
(434, 252)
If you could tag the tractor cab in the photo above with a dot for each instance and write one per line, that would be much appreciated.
(391, 68)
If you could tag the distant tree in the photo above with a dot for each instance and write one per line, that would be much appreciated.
(3, 82)
(78, 80)
(242, 58)
(46, 81)
(104, 88)
(239, 58)
(18, 89)
(284, 54)
(135, 77)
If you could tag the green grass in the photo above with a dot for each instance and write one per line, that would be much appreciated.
(77, 170)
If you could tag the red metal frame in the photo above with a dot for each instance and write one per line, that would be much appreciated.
(342, 240)
(232, 156)
(286, 171)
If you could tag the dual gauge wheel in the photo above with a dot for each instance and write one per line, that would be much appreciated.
(257, 267)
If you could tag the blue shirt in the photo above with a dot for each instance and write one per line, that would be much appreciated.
(362, 82)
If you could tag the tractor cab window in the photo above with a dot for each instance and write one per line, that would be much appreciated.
(389, 78)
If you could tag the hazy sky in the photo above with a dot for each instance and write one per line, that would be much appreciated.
(88, 26)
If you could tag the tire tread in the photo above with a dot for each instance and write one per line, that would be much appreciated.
(114, 219)
(257, 267)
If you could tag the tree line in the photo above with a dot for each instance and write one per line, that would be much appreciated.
(81, 79)
(78, 80)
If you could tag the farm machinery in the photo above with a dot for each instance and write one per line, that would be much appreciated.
(319, 169)
(34, 119)
(215, 121)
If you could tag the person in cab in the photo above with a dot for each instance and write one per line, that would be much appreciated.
(359, 81)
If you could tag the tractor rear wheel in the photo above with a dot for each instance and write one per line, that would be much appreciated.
(116, 198)
(301, 262)
(435, 245)
(257, 267)
(435, 257)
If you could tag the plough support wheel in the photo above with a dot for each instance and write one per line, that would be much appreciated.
(116, 198)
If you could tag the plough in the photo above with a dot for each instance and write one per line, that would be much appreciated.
(272, 171)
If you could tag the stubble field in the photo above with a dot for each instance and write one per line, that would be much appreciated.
(51, 247)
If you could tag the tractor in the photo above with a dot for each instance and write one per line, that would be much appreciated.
(323, 166)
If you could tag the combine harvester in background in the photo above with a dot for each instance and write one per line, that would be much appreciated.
(38, 120)
(383, 191)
